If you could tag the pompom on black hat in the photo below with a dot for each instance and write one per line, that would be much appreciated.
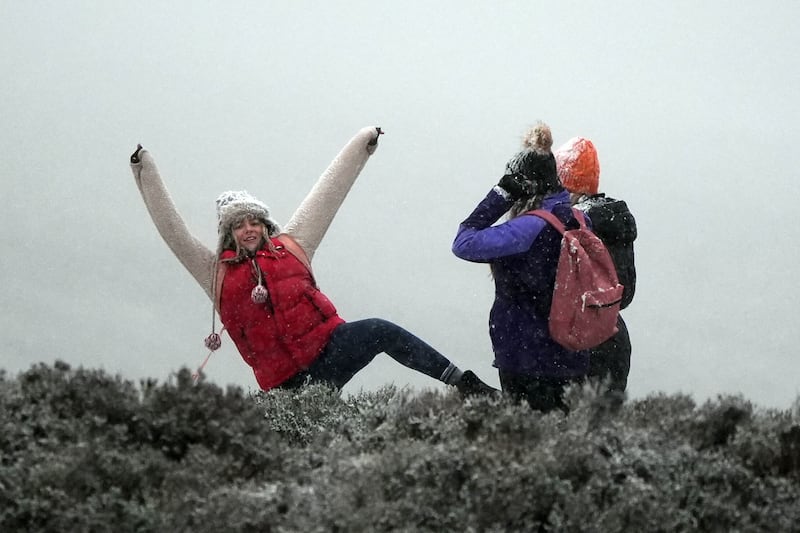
(536, 161)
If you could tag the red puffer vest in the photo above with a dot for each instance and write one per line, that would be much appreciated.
(284, 335)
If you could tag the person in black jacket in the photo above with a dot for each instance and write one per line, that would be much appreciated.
(612, 221)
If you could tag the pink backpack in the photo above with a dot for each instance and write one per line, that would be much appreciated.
(587, 293)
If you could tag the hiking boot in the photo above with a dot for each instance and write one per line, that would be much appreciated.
(471, 385)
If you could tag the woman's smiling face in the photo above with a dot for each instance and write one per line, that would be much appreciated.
(249, 234)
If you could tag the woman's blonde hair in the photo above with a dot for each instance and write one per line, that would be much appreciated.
(525, 204)
(229, 241)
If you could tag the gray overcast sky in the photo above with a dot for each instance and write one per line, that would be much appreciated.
(693, 107)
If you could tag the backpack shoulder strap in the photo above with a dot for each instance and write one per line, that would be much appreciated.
(554, 220)
(296, 250)
(550, 218)
(580, 216)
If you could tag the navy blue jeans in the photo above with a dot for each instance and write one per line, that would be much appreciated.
(353, 345)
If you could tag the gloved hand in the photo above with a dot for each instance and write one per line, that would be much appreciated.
(372, 145)
(374, 141)
(135, 155)
(516, 185)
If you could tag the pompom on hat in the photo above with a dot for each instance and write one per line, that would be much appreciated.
(233, 207)
(578, 166)
(536, 161)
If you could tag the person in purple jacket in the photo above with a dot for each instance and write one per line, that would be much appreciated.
(523, 254)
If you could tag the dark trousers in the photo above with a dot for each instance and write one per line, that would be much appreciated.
(541, 393)
(610, 363)
(353, 345)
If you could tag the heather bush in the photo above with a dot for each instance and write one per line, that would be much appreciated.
(84, 451)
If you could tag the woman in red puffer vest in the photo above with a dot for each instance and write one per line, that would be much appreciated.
(281, 332)
(263, 288)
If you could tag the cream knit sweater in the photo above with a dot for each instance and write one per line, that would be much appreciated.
(307, 226)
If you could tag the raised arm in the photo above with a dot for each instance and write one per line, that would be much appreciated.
(479, 241)
(313, 217)
(192, 254)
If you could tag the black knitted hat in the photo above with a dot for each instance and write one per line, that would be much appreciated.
(536, 161)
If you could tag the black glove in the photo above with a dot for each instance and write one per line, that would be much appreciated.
(135, 155)
(516, 185)
(374, 141)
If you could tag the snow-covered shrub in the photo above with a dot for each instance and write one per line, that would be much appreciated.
(83, 451)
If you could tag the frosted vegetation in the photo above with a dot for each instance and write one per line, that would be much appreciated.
(85, 451)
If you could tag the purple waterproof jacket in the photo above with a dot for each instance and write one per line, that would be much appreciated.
(523, 254)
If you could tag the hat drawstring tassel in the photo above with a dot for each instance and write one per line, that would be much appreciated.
(212, 342)
(260, 294)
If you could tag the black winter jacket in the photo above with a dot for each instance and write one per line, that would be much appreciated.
(613, 222)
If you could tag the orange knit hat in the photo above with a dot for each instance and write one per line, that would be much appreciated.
(578, 166)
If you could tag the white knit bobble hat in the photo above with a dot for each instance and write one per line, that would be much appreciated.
(232, 206)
